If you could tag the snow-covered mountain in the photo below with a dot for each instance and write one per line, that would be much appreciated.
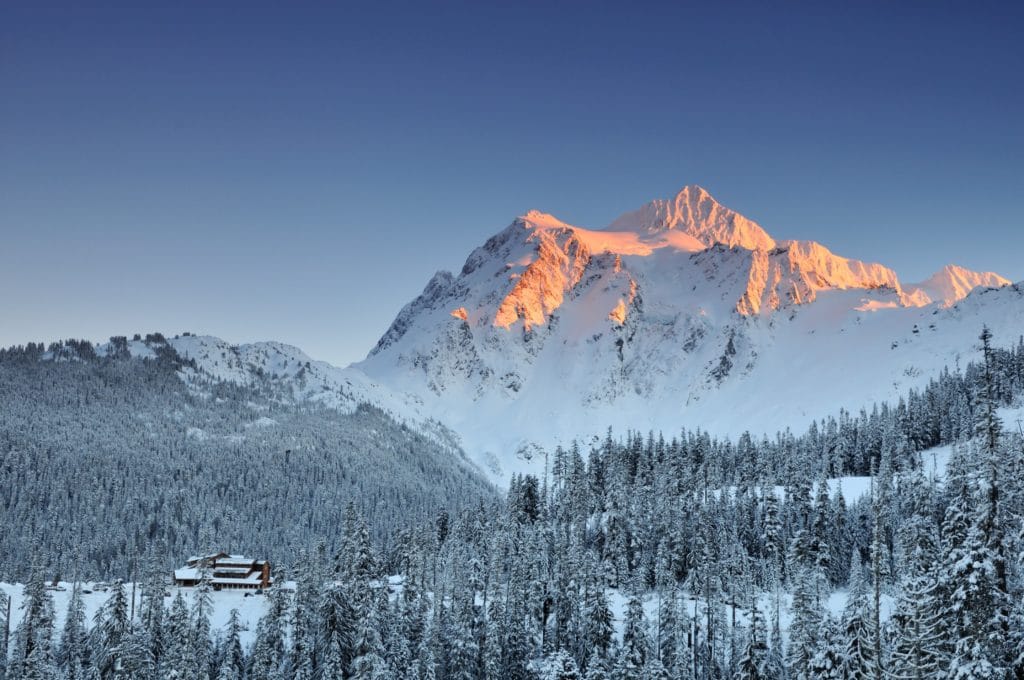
(681, 313)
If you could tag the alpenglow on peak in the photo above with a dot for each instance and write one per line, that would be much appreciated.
(681, 311)
(695, 212)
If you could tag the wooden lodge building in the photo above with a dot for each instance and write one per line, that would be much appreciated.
(224, 572)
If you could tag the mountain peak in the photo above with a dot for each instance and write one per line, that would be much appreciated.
(955, 270)
(694, 191)
(695, 212)
(537, 219)
(953, 283)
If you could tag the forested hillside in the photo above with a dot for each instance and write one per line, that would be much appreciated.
(109, 460)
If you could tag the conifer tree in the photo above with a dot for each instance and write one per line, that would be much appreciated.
(177, 661)
(805, 631)
(979, 607)
(827, 663)
(635, 642)
(338, 623)
(268, 654)
(303, 634)
(772, 537)
(202, 607)
(821, 528)
(110, 630)
(152, 610)
(597, 668)
(667, 642)
(976, 559)
(32, 655)
(879, 572)
(368, 662)
(136, 654)
(559, 665)
(922, 636)
(599, 621)
(232, 666)
(73, 652)
(775, 666)
(492, 662)
(858, 657)
(753, 665)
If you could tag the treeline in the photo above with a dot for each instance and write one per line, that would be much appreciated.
(944, 412)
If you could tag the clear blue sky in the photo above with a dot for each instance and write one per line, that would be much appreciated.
(298, 171)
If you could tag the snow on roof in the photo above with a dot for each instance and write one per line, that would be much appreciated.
(254, 577)
(224, 558)
(221, 568)
(243, 563)
(243, 576)
(232, 570)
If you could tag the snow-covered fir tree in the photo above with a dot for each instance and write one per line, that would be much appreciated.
(643, 556)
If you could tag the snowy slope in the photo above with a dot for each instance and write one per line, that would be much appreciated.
(308, 380)
(295, 376)
(682, 313)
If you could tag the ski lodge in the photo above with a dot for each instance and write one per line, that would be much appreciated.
(224, 572)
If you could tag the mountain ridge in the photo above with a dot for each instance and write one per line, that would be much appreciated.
(551, 330)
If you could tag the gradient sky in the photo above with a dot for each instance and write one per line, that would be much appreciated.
(298, 171)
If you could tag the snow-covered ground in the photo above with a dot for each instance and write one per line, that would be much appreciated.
(250, 607)
(834, 605)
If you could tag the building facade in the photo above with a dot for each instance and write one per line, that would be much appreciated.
(224, 572)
